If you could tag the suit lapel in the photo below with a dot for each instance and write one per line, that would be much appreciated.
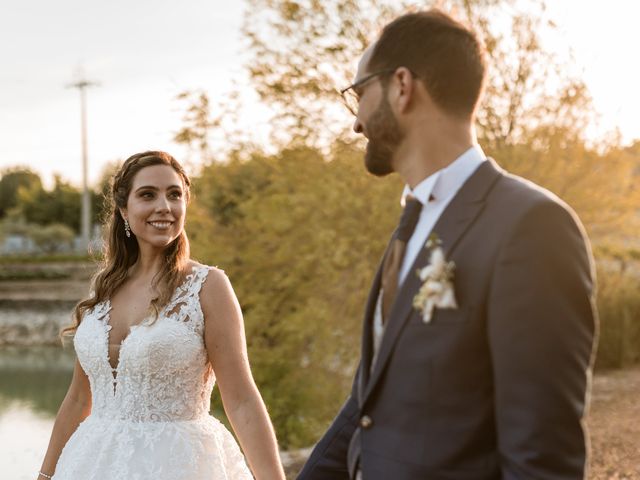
(450, 227)
(367, 333)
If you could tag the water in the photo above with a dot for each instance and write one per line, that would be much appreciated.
(33, 382)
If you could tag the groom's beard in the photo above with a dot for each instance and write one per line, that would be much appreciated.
(384, 137)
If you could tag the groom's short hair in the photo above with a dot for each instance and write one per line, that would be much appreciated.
(443, 53)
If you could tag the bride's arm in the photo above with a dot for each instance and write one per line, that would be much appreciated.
(75, 407)
(226, 347)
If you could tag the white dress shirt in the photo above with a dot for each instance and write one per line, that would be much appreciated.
(441, 187)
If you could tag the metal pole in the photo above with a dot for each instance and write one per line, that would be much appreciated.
(86, 200)
(85, 215)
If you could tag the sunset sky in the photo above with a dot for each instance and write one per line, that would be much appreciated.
(144, 53)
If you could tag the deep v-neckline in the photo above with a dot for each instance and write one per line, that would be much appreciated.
(109, 327)
(115, 371)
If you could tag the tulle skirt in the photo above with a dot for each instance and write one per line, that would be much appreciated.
(105, 449)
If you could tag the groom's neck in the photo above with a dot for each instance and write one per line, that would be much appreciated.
(431, 147)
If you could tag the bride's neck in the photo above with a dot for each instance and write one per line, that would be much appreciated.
(148, 265)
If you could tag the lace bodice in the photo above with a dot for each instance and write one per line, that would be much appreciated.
(163, 373)
(150, 418)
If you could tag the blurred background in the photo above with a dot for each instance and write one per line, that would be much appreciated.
(245, 94)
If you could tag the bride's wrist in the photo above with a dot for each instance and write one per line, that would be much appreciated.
(44, 475)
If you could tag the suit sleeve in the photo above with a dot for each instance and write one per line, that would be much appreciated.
(541, 329)
(329, 457)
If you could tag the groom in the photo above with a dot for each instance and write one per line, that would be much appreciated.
(478, 368)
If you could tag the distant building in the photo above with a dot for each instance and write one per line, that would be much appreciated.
(21, 244)
(15, 244)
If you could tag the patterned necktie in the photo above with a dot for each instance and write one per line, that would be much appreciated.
(395, 253)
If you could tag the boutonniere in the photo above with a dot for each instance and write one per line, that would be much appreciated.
(436, 290)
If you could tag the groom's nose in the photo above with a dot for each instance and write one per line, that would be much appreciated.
(357, 126)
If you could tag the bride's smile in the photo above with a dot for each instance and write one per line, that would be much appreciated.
(156, 206)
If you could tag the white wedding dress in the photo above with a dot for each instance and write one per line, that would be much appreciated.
(150, 415)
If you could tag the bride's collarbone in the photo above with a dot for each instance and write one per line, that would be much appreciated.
(131, 307)
(128, 310)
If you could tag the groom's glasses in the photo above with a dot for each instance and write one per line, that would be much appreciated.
(350, 95)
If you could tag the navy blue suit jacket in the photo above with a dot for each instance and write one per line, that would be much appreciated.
(496, 388)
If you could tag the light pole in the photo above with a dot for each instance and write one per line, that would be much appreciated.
(85, 216)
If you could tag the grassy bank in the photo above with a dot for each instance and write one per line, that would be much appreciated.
(619, 308)
(45, 259)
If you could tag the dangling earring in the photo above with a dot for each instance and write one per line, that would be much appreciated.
(127, 228)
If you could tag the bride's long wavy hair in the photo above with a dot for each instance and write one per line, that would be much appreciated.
(121, 252)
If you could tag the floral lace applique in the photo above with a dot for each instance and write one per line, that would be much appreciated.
(150, 417)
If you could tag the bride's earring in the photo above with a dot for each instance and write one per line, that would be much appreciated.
(127, 228)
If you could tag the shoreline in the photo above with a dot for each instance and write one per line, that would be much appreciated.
(34, 310)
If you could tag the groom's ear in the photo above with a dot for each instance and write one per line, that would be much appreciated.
(402, 88)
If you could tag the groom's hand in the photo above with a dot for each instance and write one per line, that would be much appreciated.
(329, 457)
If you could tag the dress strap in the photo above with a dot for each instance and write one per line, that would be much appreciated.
(199, 275)
(185, 303)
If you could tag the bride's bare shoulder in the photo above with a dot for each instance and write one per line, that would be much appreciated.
(216, 281)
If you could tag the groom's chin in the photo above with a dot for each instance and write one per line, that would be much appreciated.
(377, 164)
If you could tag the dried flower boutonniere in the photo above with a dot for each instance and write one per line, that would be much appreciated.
(436, 290)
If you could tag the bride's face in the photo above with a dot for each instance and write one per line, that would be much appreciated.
(156, 205)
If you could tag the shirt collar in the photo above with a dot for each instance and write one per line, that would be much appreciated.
(445, 183)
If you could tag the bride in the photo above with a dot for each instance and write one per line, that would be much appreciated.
(156, 332)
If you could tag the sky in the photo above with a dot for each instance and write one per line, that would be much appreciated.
(143, 53)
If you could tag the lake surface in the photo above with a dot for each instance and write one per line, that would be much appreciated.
(33, 382)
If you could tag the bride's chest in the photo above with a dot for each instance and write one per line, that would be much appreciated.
(165, 344)
(130, 306)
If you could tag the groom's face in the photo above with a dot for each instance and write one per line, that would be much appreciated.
(385, 135)
(376, 121)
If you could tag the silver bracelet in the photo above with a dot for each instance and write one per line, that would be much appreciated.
(45, 475)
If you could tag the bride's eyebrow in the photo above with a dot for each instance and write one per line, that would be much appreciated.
(152, 187)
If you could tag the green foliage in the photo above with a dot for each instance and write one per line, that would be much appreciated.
(300, 232)
(619, 307)
(600, 185)
(47, 259)
(62, 204)
(53, 237)
(212, 125)
(300, 238)
(10, 273)
(303, 51)
(11, 181)
(197, 122)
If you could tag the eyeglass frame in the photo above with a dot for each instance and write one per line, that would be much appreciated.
(362, 82)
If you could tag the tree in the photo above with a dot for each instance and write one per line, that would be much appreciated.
(211, 125)
(300, 231)
(11, 180)
(53, 238)
(300, 238)
(198, 123)
(533, 119)
(303, 51)
(62, 204)
(102, 194)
